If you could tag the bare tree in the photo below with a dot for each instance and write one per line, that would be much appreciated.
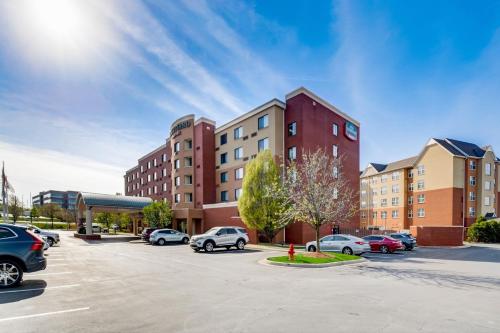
(318, 192)
(15, 208)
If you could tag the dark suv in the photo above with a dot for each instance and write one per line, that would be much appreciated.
(408, 241)
(20, 251)
(146, 233)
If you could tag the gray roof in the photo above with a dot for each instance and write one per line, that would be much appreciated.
(461, 148)
(405, 163)
(117, 201)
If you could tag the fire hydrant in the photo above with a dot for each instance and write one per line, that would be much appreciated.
(291, 253)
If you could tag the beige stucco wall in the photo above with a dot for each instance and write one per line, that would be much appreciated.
(489, 157)
(438, 164)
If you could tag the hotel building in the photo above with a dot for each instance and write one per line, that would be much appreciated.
(200, 167)
(449, 184)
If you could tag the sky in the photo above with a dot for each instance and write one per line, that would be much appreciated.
(87, 87)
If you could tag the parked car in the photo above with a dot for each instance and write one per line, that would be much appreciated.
(46, 245)
(164, 236)
(220, 237)
(408, 241)
(52, 237)
(384, 244)
(346, 244)
(21, 250)
(146, 232)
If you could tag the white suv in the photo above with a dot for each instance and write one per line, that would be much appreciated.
(220, 237)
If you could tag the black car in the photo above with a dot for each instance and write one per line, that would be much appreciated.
(146, 233)
(20, 251)
(408, 241)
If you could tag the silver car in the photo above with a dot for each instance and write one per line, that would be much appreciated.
(164, 236)
(346, 244)
(220, 237)
(52, 237)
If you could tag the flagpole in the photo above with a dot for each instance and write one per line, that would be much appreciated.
(4, 195)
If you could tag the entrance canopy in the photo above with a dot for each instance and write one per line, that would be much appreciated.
(94, 202)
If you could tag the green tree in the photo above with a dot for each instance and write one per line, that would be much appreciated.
(263, 203)
(34, 213)
(319, 192)
(124, 220)
(15, 208)
(50, 210)
(104, 218)
(158, 214)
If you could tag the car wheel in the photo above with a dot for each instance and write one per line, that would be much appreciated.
(11, 274)
(161, 241)
(185, 240)
(311, 248)
(347, 250)
(50, 241)
(384, 249)
(209, 246)
(240, 244)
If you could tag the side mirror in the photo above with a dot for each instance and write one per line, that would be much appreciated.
(217, 234)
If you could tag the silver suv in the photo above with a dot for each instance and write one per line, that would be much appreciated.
(220, 237)
(52, 237)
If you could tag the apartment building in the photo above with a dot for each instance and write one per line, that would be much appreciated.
(450, 183)
(65, 199)
(200, 167)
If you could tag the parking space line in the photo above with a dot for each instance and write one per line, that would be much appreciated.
(56, 265)
(35, 289)
(57, 258)
(44, 314)
(55, 273)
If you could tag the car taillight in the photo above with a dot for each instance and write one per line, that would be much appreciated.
(360, 243)
(38, 244)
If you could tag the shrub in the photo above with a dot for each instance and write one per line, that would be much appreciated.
(484, 231)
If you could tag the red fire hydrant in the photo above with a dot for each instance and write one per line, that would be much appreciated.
(291, 253)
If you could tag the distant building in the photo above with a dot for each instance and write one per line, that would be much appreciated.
(65, 199)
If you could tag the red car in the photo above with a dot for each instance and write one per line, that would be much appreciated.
(384, 244)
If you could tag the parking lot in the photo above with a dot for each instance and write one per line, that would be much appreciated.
(131, 287)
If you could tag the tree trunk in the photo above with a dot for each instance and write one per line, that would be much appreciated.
(317, 239)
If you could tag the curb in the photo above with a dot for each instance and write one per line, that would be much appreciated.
(330, 264)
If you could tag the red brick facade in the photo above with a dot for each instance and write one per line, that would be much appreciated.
(438, 235)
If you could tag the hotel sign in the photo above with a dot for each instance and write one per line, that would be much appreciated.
(351, 131)
(180, 126)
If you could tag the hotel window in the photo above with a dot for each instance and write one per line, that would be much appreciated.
(137, 186)
(420, 185)
(335, 172)
(142, 181)
(374, 191)
(410, 175)
(238, 153)
(335, 151)
(472, 211)
(149, 165)
(223, 158)
(395, 188)
(263, 144)
(472, 181)
(374, 203)
(177, 164)
(155, 162)
(383, 178)
(363, 215)
(383, 190)
(395, 214)
(263, 122)
(237, 193)
(383, 215)
(164, 158)
(177, 181)
(155, 177)
(363, 193)
(188, 180)
(156, 189)
(472, 165)
(421, 212)
(164, 187)
(223, 196)
(238, 132)
(487, 169)
(374, 215)
(142, 193)
(177, 147)
(137, 175)
(292, 153)
(149, 178)
(188, 161)
(149, 191)
(410, 187)
(128, 188)
(133, 176)
(487, 201)
(238, 173)
(223, 177)
(128, 179)
(164, 172)
(223, 139)
(487, 185)
(188, 144)
(395, 176)
(363, 204)
(421, 170)
(421, 198)
(383, 203)
(395, 201)
(177, 197)
(292, 129)
(142, 168)
(188, 197)
(472, 196)
(335, 129)
(410, 213)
